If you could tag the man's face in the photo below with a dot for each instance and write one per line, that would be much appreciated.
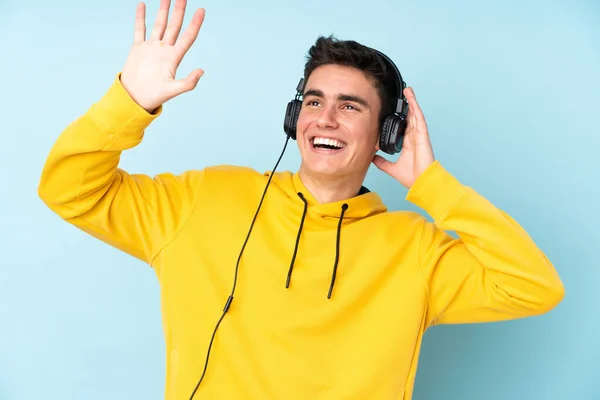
(337, 130)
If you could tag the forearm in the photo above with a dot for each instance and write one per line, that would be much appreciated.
(495, 266)
(83, 163)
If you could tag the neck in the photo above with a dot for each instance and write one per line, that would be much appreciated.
(327, 189)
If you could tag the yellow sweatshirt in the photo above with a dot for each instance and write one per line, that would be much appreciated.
(396, 274)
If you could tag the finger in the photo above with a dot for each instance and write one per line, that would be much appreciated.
(139, 33)
(407, 143)
(189, 36)
(188, 83)
(162, 17)
(174, 26)
(382, 163)
(413, 105)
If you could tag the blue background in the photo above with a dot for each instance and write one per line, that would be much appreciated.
(510, 92)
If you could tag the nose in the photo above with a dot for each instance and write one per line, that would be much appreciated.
(327, 118)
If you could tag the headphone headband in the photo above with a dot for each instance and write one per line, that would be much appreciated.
(400, 84)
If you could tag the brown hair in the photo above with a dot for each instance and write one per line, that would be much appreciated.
(330, 50)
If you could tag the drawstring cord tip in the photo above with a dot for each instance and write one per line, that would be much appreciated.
(337, 250)
(289, 276)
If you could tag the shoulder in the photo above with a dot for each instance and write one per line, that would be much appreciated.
(402, 218)
(211, 179)
(231, 171)
(400, 223)
(232, 176)
(230, 180)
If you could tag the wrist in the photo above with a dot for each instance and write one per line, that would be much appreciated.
(146, 106)
(435, 190)
(118, 114)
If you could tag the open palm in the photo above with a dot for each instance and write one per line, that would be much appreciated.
(417, 153)
(149, 74)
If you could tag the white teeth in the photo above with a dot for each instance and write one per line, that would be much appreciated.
(328, 142)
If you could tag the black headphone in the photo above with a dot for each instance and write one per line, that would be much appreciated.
(392, 129)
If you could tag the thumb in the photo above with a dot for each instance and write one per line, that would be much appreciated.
(188, 83)
(382, 163)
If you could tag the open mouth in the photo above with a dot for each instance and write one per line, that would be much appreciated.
(327, 144)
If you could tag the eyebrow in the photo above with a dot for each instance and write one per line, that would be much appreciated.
(342, 97)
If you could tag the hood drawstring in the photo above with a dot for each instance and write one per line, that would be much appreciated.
(289, 276)
(337, 249)
(337, 245)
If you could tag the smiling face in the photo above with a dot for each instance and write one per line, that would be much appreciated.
(338, 126)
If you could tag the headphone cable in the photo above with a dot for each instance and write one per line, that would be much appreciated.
(237, 266)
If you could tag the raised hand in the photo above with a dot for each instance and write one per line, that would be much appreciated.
(149, 72)
(417, 153)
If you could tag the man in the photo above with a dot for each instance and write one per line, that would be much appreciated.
(317, 291)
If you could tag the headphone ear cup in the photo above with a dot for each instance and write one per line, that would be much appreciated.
(392, 133)
(384, 135)
(291, 118)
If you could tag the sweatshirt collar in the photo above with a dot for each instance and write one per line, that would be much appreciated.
(362, 205)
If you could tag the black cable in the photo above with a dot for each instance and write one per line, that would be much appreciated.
(237, 266)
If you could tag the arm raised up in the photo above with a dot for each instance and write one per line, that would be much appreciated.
(494, 271)
(81, 180)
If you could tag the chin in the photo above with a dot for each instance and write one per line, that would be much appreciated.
(328, 162)
(325, 172)
(316, 165)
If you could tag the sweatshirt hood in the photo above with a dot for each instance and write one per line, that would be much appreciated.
(364, 204)
(323, 215)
